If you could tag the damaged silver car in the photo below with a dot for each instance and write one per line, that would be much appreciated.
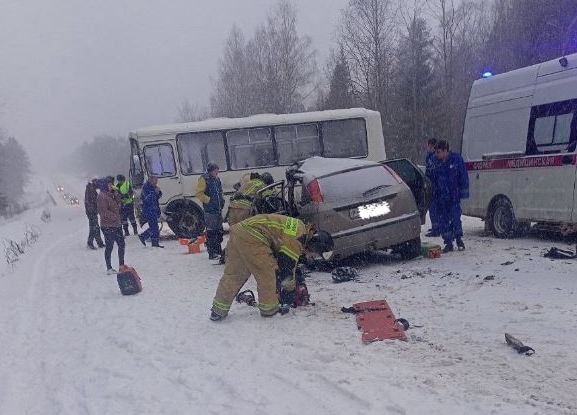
(364, 205)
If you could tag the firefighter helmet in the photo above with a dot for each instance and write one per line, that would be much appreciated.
(267, 178)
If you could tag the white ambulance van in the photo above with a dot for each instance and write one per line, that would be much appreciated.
(519, 147)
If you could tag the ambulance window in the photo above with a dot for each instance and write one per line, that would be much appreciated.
(562, 128)
(552, 128)
(544, 130)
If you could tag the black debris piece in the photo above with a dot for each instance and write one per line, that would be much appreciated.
(343, 274)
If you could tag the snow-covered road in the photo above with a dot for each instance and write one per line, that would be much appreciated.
(71, 344)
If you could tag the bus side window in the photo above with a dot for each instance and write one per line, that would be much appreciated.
(160, 160)
(196, 150)
(345, 138)
(297, 142)
(250, 147)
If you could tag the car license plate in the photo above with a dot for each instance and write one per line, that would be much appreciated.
(371, 210)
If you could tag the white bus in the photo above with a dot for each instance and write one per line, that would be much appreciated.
(178, 153)
(519, 143)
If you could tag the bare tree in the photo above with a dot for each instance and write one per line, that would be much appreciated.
(233, 95)
(273, 72)
(367, 36)
(340, 88)
(462, 28)
(415, 95)
(285, 61)
(525, 32)
(187, 112)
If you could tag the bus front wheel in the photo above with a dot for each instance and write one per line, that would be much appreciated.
(185, 219)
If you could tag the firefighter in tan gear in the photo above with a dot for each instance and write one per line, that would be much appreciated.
(268, 247)
(241, 202)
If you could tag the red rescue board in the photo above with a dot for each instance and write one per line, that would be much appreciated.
(377, 322)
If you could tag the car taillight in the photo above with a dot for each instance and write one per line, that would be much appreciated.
(314, 190)
(394, 174)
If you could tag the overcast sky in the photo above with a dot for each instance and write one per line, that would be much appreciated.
(72, 69)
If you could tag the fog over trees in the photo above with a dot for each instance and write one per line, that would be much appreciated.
(412, 61)
(104, 155)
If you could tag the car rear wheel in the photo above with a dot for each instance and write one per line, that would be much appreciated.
(501, 219)
(410, 249)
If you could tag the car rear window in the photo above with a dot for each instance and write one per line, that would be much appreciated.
(356, 183)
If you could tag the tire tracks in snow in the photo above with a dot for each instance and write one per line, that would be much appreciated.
(26, 373)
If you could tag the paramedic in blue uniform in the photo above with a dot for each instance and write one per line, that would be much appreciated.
(430, 166)
(451, 179)
(151, 195)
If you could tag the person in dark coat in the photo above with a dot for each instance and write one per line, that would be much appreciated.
(90, 196)
(108, 203)
(209, 192)
(452, 181)
(430, 166)
(151, 195)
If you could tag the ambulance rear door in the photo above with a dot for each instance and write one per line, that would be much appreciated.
(550, 174)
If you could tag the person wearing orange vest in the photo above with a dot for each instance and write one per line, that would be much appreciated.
(268, 247)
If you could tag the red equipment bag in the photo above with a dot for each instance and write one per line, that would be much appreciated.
(128, 281)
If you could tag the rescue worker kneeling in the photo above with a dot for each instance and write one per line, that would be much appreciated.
(266, 246)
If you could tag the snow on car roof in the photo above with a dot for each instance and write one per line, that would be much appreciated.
(254, 121)
(321, 166)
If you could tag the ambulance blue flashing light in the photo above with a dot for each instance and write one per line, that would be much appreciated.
(487, 74)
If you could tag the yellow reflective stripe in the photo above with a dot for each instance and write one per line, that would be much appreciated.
(253, 232)
(220, 306)
(265, 222)
(268, 308)
(240, 203)
(291, 226)
(252, 188)
(289, 252)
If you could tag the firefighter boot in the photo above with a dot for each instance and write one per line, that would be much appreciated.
(216, 317)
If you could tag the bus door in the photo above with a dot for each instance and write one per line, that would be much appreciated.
(160, 162)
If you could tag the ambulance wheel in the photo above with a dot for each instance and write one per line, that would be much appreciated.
(185, 219)
(501, 219)
(410, 249)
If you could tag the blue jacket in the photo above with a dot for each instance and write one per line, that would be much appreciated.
(430, 164)
(150, 204)
(209, 192)
(450, 178)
